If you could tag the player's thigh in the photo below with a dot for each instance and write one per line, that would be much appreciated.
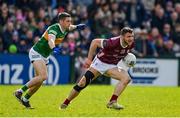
(95, 72)
(40, 67)
(118, 74)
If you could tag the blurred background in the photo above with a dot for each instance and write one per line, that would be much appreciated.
(156, 24)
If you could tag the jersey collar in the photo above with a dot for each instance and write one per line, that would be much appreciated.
(122, 44)
(61, 28)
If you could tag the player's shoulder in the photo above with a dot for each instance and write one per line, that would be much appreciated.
(55, 25)
(115, 38)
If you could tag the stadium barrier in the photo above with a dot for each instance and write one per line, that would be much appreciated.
(17, 69)
(157, 72)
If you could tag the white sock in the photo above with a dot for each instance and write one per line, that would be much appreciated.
(24, 99)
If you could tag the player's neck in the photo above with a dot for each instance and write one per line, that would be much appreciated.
(123, 43)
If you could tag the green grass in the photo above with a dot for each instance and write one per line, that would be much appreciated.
(139, 101)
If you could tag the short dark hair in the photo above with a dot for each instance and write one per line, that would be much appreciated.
(126, 30)
(63, 15)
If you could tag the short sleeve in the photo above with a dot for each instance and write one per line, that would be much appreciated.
(52, 30)
(109, 43)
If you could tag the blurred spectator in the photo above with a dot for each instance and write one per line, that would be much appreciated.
(71, 43)
(23, 48)
(87, 35)
(115, 31)
(177, 8)
(176, 38)
(1, 44)
(15, 38)
(4, 15)
(158, 18)
(7, 35)
(167, 39)
(22, 31)
(136, 13)
(65, 48)
(167, 34)
(40, 29)
(141, 42)
(148, 4)
(29, 39)
(41, 14)
(155, 43)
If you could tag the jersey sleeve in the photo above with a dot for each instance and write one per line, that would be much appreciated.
(52, 30)
(109, 43)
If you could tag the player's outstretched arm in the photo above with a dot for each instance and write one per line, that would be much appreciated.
(79, 27)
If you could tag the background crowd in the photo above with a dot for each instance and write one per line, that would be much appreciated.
(156, 24)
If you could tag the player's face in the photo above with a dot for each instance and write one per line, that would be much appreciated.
(129, 38)
(66, 22)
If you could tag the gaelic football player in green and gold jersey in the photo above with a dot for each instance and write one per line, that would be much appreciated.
(40, 52)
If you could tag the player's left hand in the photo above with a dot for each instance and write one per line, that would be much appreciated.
(81, 26)
(87, 63)
(57, 50)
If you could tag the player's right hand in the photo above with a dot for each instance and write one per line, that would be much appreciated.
(87, 63)
(57, 50)
(81, 26)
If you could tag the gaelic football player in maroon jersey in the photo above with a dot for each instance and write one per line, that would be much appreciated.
(105, 62)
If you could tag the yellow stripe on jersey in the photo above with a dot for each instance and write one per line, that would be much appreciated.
(45, 35)
(58, 40)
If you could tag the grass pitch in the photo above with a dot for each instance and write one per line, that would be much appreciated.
(139, 101)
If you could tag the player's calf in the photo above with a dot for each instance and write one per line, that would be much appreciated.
(86, 80)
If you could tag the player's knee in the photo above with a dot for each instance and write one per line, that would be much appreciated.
(127, 80)
(43, 77)
(86, 80)
(82, 82)
(89, 76)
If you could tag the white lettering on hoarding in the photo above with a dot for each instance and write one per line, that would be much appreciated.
(144, 70)
(17, 68)
(7, 70)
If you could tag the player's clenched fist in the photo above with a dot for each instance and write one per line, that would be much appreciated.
(87, 63)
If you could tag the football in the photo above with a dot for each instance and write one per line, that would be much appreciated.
(130, 60)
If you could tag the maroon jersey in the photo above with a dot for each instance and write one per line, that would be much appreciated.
(112, 51)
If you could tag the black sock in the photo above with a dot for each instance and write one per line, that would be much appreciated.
(24, 88)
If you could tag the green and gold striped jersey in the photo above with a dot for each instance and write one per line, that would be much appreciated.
(42, 46)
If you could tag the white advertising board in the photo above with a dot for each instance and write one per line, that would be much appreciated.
(157, 72)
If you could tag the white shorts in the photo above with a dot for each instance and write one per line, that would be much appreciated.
(33, 56)
(122, 65)
(103, 67)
